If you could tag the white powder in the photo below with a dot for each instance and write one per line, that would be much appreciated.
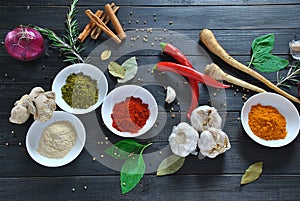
(57, 140)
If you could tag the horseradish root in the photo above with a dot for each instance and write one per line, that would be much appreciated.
(208, 39)
(214, 71)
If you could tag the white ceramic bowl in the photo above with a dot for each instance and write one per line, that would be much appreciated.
(119, 94)
(284, 106)
(87, 69)
(36, 130)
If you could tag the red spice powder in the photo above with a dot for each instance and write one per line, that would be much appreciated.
(130, 115)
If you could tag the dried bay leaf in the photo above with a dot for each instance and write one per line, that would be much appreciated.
(170, 165)
(131, 68)
(116, 69)
(252, 173)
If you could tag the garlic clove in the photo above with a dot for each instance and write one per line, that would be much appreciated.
(204, 117)
(171, 95)
(183, 139)
(213, 142)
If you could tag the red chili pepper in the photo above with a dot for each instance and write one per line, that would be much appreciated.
(189, 73)
(182, 59)
(176, 54)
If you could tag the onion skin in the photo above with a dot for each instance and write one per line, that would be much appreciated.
(24, 43)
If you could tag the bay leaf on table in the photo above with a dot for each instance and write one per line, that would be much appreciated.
(116, 69)
(170, 165)
(252, 173)
(131, 69)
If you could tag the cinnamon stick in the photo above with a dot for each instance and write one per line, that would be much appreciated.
(89, 27)
(97, 31)
(115, 21)
(103, 26)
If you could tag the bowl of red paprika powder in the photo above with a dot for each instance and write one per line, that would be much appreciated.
(270, 119)
(129, 111)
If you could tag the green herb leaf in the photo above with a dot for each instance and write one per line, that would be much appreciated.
(124, 149)
(170, 165)
(131, 68)
(252, 173)
(132, 171)
(263, 44)
(269, 63)
(262, 59)
(116, 69)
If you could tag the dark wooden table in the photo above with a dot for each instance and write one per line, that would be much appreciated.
(235, 25)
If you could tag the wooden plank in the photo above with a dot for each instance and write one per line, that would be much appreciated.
(250, 17)
(200, 187)
(150, 3)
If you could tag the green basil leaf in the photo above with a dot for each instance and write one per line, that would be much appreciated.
(170, 165)
(124, 149)
(263, 44)
(269, 63)
(132, 171)
(116, 70)
(252, 173)
(131, 68)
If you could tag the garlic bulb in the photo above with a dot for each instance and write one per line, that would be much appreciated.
(204, 117)
(171, 95)
(213, 142)
(183, 139)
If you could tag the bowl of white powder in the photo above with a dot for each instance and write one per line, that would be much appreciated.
(57, 141)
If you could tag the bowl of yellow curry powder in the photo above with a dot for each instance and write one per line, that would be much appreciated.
(270, 119)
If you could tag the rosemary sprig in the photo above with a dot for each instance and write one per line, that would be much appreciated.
(67, 44)
(291, 77)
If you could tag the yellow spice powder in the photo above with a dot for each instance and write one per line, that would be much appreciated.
(267, 123)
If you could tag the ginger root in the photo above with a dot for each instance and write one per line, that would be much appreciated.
(39, 103)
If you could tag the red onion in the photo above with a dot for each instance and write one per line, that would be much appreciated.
(24, 43)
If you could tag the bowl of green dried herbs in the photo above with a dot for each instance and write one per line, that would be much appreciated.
(80, 88)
